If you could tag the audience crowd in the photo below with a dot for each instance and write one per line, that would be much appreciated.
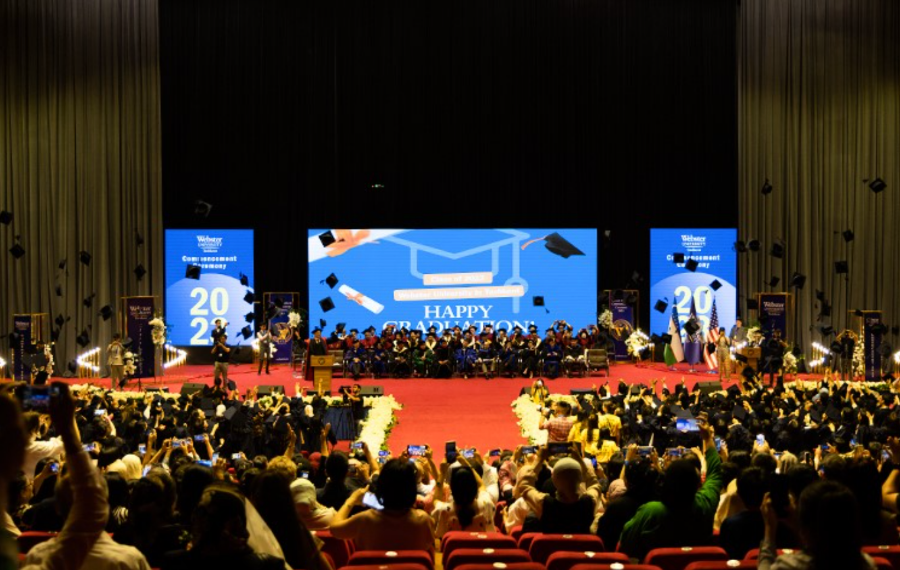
(157, 482)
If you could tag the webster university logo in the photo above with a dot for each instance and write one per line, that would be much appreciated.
(692, 243)
(209, 244)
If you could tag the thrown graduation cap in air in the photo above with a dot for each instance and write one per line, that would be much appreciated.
(6, 218)
(841, 267)
(331, 280)
(105, 312)
(752, 304)
(83, 339)
(774, 281)
(327, 304)
(59, 291)
(715, 285)
(17, 251)
(192, 272)
(538, 301)
(322, 323)
(249, 317)
(249, 297)
(245, 281)
(85, 257)
(691, 264)
(202, 208)
(89, 300)
(246, 332)
(678, 257)
(557, 245)
(138, 238)
(60, 320)
(661, 306)
(139, 271)
(62, 263)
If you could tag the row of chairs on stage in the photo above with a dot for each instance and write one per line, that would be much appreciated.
(468, 364)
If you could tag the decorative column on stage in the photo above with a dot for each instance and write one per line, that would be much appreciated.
(137, 312)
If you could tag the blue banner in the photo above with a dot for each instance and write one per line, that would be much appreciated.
(193, 305)
(279, 326)
(622, 324)
(872, 343)
(22, 325)
(715, 275)
(138, 314)
(773, 313)
(448, 277)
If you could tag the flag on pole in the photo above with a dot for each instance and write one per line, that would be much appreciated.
(674, 352)
(712, 336)
(693, 317)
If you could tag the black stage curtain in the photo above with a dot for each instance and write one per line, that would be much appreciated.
(819, 85)
(612, 114)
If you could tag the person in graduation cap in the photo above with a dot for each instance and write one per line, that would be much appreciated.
(218, 329)
(443, 365)
(355, 359)
(401, 360)
(378, 359)
(264, 342)
(487, 357)
(317, 346)
(574, 358)
(508, 359)
(530, 358)
(369, 339)
(552, 356)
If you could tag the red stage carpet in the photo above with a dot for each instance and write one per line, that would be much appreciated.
(474, 412)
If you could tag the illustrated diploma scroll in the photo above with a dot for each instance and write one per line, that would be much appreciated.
(364, 301)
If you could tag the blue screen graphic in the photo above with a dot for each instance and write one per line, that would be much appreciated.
(448, 277)
(193, 305)
(716, 259)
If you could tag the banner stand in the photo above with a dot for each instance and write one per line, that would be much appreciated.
(624, 320)
(279, 325)
(31, 328)
(779, 311)
(134, 323)
(869, 332)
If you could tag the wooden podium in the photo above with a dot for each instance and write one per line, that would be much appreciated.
(753, 354)
(321, 366)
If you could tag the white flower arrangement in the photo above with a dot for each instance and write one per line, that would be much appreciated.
(605, 320)
(530, 417)
(158, 334)
(754, 336)
(294, 319)
(130, 367)
(636, 343)
(789, 363)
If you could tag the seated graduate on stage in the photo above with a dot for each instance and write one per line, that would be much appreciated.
(488, 332)
(431, 340)
(487, 357)
(469, 346)
(508, 358)
(355, 359)
(402, 357)
(584, 339)
(529, 356)
(422, 360)
(552, 354)
(561, 329)
(443, 365)
(369, 339)
(378, 359)
(574, 357)
(352, 336)
(533, 335)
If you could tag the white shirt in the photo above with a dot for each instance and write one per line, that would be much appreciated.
(106, 554)
(445, 519)
(490, 477)
(37, 450)
(516, 513)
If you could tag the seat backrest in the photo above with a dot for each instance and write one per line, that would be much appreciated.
(882, 563)
(891, 553)
(753, 554)
(381, 557)
(526, 538)
(566, 560)
(388, 566)
(722, 565)
(543, 546)
(597, 356)
(463, 556)
(679, 558)
(28, 539)
(476, 540)
(339, 550)
(617, 566)
(502, 566)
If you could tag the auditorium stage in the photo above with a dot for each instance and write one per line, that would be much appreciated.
(474, 412)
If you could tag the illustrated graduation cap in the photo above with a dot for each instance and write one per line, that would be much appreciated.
(192, 272)
(326, 304)
(557, 245)
(245, 281)
(327, 238)
(715, 285)
(249, 297)
(331, 280)
(661, 305)
(691, 264)
(538, 301)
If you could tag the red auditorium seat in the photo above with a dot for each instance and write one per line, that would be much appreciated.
(28, 539)
(339, 549)
(565, 560)
(503, 566)
(722, 565)
(516, 533)
(882, 563)
(525, 540)
(462, 556)
(891, 553)
(387, 566)
(615, 566)
(546, 544)
(679, 558)
(382, 557)
(754, 554)
(455, 540)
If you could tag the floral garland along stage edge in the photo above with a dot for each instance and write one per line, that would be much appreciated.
(375, 429)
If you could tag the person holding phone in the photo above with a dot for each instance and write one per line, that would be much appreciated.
(221, 354)
(264, 340)
(471, 508)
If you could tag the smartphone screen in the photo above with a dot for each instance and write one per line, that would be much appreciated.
(415, 450)
(645, 450)
(205, 462)
(304, 474)
(99, 412)
(142, 449)
(371, 501)
(718, 444)
(90, 447)
(176, 443)
(468, 453)
(560, 448)
(686, 424)
(356, 445)
(54, 467)
(494, 453)
(235, 456)
(675, 452)
(760, 439)
(146, 470)
(384, 453)
(529, 449)
(36, 397)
